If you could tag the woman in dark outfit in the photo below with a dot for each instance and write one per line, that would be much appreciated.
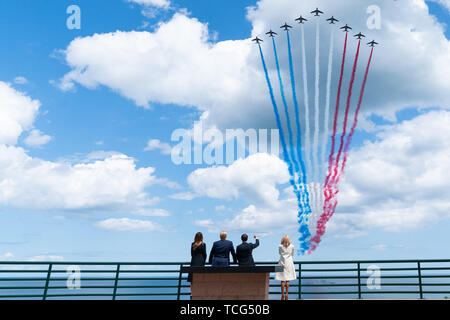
(198, 253)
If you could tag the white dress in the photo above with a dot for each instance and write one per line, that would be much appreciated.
(286, 260)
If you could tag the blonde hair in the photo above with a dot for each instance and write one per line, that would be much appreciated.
(223, 235)
(286, 241)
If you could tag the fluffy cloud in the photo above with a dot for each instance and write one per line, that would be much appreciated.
(179, 64)
(20, 80)
(112, 182)
(126, 224)
(398, 182)
(36, 138)
(156, 3)
(175, 64)
(254, 178)
(155, 144)
(17, 113)
(104, 181)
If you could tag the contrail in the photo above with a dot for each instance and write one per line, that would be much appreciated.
(355, 120)
(331, 200)
(316, 105)
(305, 88)
(280, 128)
(347, 109)
(327, 103)
(302, 176)
(327, 191)
(286, 109)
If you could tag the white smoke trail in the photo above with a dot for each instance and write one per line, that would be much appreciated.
(305, 88)
(316, 106)
(316, 189)
(327, 104)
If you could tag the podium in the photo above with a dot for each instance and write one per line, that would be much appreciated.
(230, 283)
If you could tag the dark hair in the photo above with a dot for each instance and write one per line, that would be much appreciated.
(198, 240)
(244, 237)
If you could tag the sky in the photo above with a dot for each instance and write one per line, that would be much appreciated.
(87, 117)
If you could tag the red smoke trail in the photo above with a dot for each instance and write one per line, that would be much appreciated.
(336, 113)
(355, 120)
(330, 202)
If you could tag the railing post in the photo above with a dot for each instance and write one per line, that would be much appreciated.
(47, 281)
(359, 281)
(179, 283)
(299, 281)
(116, 282)
(420, 280)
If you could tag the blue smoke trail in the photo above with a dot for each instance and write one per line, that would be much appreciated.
(280, 128)
(286, 109)
(306, 208)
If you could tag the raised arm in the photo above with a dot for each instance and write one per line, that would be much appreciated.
(256, 243)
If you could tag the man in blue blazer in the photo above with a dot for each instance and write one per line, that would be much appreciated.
(244, 251)
(220, 252)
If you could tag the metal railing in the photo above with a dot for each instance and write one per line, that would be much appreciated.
(364, 279)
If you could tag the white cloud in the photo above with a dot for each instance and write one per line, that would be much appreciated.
(398, 182)
(155, 144)
(20, 80)
(126, 224)
(155, 3)
(102, 181)
(17, 113)
(36, 138)
(107, 184)
(45, 257)
(187, 69)
(254, 178)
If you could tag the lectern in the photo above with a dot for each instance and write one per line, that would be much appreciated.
(230, 283)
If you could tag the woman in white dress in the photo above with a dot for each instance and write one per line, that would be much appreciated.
(286, 250)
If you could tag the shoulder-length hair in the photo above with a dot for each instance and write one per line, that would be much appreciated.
(198, 240)
(286, 241)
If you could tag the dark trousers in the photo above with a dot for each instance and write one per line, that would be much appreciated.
(220, 262)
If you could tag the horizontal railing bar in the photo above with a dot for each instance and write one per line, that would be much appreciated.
(21, 296)
(327, 270)
(93, 263)
(91, 279)
(187, 263)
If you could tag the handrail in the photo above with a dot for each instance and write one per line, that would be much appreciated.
(164, 280)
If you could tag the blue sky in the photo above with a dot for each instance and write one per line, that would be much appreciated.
(94, 115)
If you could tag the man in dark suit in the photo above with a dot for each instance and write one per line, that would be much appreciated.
(244, 251)
(220, 252)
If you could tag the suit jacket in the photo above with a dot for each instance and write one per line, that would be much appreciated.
(221, 250)
(244, 253)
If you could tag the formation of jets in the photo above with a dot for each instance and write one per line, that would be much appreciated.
(316, 13)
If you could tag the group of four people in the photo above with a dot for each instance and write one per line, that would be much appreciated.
(221, 250)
